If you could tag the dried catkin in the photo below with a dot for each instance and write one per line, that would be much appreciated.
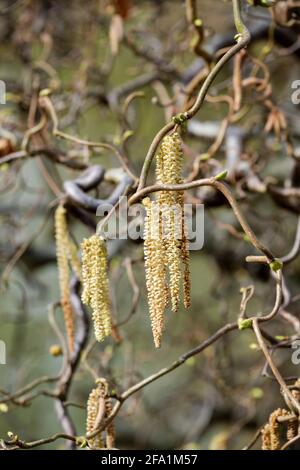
(271, 431)
(61, 235)
(93, 406)
(95, 284)
(169, 168)
(292, 429)
(167, 253)
(110, 430)
(274, 429)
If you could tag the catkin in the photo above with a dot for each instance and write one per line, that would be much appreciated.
(95, 284)
(166, 244)
(62, 254)
(155, 271)
(169, 170)
(292, 429)
(266, 437)
(93, 405)
(274, 429)
(99, 407)
(271, 431)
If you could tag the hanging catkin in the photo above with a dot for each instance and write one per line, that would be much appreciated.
(99, 407)
(169, 171)
(65, 250)
(94, 403)
(110, 430)
(166, 244)
(155, 270)
(95, 284)
(274, 429)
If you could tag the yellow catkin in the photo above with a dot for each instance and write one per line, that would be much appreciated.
(166, 243)
(185, 253)
(155, 271)
(95, 284)
(61, 235)
(93, 405)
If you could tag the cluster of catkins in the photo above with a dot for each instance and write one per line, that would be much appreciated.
(66, 253)
(166, 246)
(95, 284)
(271, 431)
(99, 407)
(166, 253)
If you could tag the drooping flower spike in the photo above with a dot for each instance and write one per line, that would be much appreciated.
(95, 284)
